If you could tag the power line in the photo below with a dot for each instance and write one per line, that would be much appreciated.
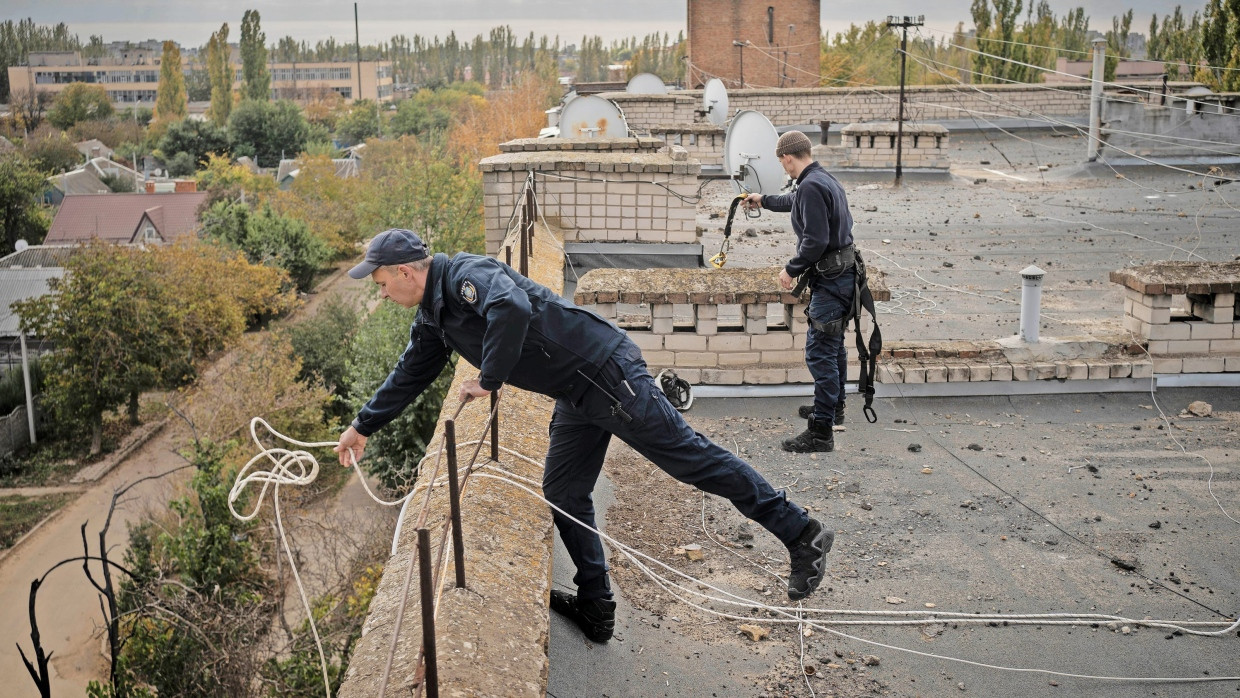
(1117, 85)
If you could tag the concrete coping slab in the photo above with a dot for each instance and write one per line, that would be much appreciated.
(631, 144)
(890, 128)
(697, 286)
(1162, 278)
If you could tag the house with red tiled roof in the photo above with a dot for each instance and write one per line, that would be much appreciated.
(126, 219)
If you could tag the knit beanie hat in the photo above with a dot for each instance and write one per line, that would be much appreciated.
(792, 142)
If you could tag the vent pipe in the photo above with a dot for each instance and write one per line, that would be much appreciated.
(1030, 303)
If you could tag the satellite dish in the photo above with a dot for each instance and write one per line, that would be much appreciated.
(569, 96)
(715, 102)
(592, 116)
(646, 84)
(1198, 91)
(749, 154)
(20, 245)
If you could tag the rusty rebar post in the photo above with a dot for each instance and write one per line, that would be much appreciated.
(454, 504)
(524, 233)
(494, 428)
(425, 574)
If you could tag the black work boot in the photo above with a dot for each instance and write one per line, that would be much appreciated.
(809, 559)
(818, 438)
(807, 411)
(596, 617)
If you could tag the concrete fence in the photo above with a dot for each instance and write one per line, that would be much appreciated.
(14, 431)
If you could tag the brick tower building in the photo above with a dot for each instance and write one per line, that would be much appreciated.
(779, 42)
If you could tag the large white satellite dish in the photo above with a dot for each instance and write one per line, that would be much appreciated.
(646, 84)
(749, 154)
(592, 116)
(715, 102)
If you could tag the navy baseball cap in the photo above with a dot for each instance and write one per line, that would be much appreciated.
(395, 246)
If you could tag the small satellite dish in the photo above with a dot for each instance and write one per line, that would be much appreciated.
(592, 116)
(1197, 91)
(646, 84)
(569, 96)
(715, 102)
(749, 154)
(20, 245)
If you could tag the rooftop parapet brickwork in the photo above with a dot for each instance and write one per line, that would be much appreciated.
(636, 144)
(704, 128)
(697, 286)
(1180, 277)
(891, 128)
(590, 161)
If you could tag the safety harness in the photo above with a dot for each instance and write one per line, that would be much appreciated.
(831, 265)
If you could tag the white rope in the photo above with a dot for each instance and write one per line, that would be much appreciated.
(300, 467)
(790, 614)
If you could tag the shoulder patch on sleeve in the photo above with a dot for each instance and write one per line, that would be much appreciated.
(468, 293)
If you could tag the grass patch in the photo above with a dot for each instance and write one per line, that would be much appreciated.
(55, 459)
(19, 514)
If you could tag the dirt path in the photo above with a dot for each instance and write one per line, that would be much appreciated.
(68, 607)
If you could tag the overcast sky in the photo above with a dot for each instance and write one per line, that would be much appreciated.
(183, 20)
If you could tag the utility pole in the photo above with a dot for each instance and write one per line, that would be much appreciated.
(904, 23)
(357, 41)
(1095, 99)
(742, 45)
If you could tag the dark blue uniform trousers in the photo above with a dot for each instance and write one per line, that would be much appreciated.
(581, 431)
(826, 357)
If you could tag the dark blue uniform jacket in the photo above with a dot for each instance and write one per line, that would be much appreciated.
(512, 329)
(820, 216)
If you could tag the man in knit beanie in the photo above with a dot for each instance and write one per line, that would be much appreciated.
(823, 226)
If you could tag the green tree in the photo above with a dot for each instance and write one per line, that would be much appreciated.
(435, 110)
(21, 216)
(266, 237)
(360, 122)
(124, 320)
(322, 342)
(79, 102)
(267, 131)
(220, 72)
(256, 80)
(181, 165)
(412, 184)
(51, 150)
(392, 453)
(198, 138)
(103, 318)
(1117, 43)
(198, 600)
(171, 103)
(18, 39)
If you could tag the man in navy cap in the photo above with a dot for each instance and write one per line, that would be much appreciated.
(826, 258)
(518, 332)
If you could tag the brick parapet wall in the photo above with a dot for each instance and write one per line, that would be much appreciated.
(788, 107)
(873, 145)
(596, 195)
(719, 327)
(1186, 312)
(703, 142)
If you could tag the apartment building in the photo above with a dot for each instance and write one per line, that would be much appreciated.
(135, 78)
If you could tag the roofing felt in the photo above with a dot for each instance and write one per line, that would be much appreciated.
(115, 217)
(20, 284)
